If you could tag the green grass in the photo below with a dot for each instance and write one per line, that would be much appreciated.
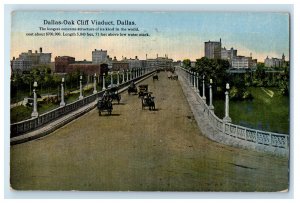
(267, 111)
(20, 113)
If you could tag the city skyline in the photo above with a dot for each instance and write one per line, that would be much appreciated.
(180, 35)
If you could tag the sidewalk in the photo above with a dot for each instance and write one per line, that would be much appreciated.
(194, 101)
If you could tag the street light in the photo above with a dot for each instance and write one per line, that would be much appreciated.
(203, 88)
(123, 76)
(118, 78)
(34, 113)
(80, 82)
(103, 82)
(62, 102)
(227, 119)
(111, 79)
(95, 89)
(211, 107)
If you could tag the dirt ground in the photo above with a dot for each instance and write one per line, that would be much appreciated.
(142, 150)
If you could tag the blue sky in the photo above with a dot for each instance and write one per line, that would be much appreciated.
(179, 34)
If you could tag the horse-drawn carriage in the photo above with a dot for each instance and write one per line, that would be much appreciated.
(143, 90)
(174, 77)
(105, 104)
(148, 101)
(155, 77)
(132, 88)
(113, 94)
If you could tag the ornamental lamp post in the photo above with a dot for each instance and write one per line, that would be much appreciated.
(118, 78)
(211, 107)
(111, 79)
(197, 83)
(62, 102)
(123, 76)
(203, 88)
(103, 82)
(34, 113)
(95, 83)
(80, 83)
(227, 119)
(194, 80)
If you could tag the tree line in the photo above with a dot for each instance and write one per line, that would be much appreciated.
(218, 71)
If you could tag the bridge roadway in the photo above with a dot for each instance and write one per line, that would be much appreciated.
(142, 150)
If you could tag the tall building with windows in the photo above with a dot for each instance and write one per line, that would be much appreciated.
(61, 62)
(228, 54)
(212, 49)
(275, 62)
(27, 60)
(99, 56)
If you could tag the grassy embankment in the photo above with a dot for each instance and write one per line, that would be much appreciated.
(269, 110)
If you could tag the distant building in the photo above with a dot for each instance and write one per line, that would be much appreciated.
(243, 62)
(240, 62)
(228, 54)
(160, 62)
(237, 62)
(27, 60)
(61, 62)
(212, 49)
(275, 62)
(99, 56)
(119, 66)
(87, 68)
(133, 63)
(20, 65)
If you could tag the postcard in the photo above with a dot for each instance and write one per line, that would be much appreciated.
(149, 101)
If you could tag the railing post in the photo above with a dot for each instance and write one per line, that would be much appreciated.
(127, 79)
(123, 76)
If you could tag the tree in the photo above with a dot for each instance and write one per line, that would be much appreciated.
(186, 63)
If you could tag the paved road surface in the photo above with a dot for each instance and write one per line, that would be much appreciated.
(142, 150)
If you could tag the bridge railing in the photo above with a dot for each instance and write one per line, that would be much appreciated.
(258, 137)
(31, 124)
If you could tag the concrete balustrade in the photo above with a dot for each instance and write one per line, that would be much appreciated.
(232, 134)
(37, 120)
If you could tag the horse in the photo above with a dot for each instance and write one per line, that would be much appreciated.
(155, 77)
(105, 104)
(148, 101)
